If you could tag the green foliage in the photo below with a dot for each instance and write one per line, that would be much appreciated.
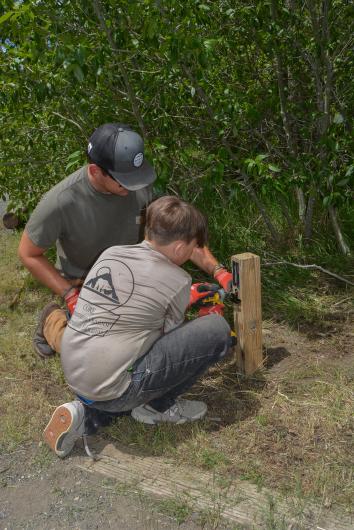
(239, 101)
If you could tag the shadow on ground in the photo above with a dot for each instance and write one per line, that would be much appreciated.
(273, 356)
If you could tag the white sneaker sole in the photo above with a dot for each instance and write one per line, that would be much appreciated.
(59, 424)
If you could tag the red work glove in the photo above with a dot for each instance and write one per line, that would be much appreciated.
(215, 309)
(224, 277)
(71, 299)
(199, 291)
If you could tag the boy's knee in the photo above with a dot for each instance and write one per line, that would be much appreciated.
(219, 325)
(218, 330)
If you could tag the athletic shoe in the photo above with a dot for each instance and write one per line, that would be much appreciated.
(40, 343)
(181, 411)
(65, 427)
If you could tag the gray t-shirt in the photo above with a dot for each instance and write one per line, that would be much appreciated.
(83, 222)
(131, 296)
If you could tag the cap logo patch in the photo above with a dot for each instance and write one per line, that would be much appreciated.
(89, 147)
(138, 159)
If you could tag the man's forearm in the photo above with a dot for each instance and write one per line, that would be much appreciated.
(33, 258)
(46, 273)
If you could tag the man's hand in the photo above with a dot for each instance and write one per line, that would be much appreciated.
(70, 298)
(200, 291)
(224, 277)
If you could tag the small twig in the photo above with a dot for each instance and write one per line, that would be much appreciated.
(315, 267)
(286, 397)
(342, 301)
(71, 121)
(300, 403)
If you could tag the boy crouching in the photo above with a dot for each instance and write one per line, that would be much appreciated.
(126, 347)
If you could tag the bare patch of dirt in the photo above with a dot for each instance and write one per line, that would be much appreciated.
(38, 491)
(294, 345)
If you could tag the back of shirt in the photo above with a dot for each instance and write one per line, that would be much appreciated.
(132, 295)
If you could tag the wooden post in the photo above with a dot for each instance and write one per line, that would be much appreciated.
(248, 313)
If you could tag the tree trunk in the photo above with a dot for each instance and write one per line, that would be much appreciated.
(309, 217)
(286, 212)
(301, 204)
(337, 231)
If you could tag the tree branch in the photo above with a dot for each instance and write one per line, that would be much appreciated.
(132, 98)
(309, 267)
(71, 121)
(289, 134)
(245, 178)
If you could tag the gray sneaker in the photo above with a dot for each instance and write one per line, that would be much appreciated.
(66, 425)
(182, 411)
(40, 344)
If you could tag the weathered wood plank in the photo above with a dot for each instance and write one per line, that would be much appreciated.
(234, 500)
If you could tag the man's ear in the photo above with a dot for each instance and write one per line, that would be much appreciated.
(96, 171)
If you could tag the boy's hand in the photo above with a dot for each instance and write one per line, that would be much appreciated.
(199, 291)
(224, 277)
(215, 309)
(71, 299)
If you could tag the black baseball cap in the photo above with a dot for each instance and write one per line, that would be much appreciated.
(120, 152)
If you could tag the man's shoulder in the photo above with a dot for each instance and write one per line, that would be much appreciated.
(145, 195)
(76, 182)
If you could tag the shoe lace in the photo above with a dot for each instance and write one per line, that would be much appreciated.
(174, 410)
(89, 453)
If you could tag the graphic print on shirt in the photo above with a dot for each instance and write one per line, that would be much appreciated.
(102, 283)
(107, 289)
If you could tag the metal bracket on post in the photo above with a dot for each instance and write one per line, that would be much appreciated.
(235, 284)
(248, 312)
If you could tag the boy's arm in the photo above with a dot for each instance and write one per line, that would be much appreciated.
(175, 312)
(204, 259)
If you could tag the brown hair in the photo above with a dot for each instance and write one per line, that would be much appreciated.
(170, 219)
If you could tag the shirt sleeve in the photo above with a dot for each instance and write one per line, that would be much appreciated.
(45, 224)
(176, 310)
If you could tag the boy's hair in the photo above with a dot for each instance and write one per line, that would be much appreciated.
(170, 219)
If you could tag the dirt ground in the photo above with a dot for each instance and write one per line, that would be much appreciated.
(287, 429)
(40, 492)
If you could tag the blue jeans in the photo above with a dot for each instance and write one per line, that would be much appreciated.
(173, 364)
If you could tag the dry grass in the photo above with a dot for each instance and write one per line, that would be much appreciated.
(288, 428)
(30, 387)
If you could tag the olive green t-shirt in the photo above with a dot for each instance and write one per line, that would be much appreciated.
(83, 222)
(131, 297)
